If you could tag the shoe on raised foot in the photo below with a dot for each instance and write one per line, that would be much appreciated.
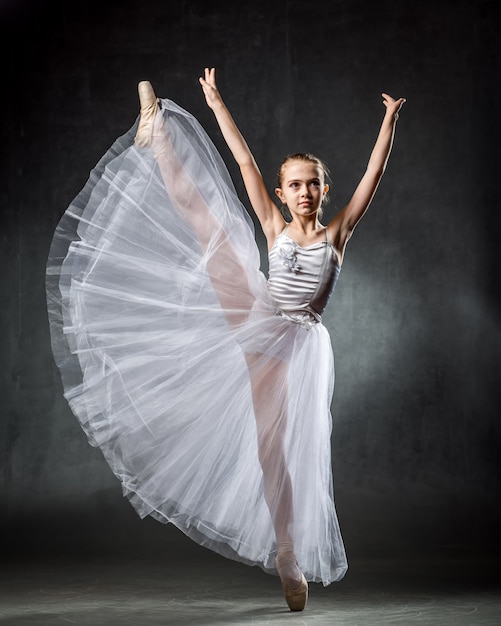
(149, 107)
(296, 597)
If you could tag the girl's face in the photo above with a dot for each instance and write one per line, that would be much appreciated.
(303, 187)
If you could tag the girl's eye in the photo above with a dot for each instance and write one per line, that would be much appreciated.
(315, 183)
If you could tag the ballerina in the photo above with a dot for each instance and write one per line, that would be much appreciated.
(206, 385)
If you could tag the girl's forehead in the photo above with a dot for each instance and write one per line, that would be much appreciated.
(302, 169)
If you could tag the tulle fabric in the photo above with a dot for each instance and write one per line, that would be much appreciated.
(212, 410)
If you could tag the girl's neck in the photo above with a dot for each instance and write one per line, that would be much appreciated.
(305, 225)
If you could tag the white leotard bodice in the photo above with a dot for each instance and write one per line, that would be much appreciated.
(302, 279)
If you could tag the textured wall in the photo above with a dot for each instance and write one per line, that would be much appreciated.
(415, 320)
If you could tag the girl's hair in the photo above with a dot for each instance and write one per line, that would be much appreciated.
(308, 158)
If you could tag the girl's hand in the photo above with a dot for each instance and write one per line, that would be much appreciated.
(211, 93)
(392, 106)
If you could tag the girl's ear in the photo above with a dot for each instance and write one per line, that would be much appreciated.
(279, 194)
(326, 190)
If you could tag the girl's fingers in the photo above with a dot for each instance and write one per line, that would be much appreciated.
(387, 96)
(391, 103)
(210, 76)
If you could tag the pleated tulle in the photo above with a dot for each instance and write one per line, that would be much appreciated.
(176, 364)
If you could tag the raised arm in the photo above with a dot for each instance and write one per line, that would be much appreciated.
(342, 226)
(266, 210)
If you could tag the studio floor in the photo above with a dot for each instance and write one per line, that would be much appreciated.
(207, 590)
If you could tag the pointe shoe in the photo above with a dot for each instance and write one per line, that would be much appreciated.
(296, 597)
(148, 111)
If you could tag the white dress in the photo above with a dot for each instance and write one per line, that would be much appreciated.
(206, 387)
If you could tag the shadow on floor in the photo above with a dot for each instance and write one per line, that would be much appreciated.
(207, 590)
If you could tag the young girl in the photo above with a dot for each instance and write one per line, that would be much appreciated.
(206, 386)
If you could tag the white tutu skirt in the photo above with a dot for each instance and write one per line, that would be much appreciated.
(212, 410)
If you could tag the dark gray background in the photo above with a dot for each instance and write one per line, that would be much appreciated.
(415, 320)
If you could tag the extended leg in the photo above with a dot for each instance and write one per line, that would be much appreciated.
(225, 270)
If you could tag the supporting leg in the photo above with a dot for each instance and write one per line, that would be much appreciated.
(269, 392)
